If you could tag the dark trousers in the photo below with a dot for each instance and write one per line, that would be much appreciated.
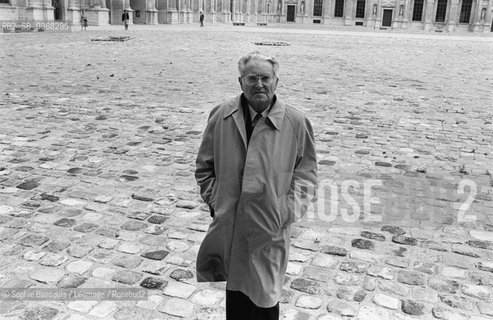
(240, 307)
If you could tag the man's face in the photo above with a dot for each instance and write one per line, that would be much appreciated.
(260, 93)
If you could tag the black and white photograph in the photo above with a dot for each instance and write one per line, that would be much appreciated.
(246, 159)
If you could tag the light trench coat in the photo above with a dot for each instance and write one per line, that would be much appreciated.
(251, 193)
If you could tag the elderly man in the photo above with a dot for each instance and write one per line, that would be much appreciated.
(256, 167)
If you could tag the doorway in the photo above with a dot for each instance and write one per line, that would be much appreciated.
(291, 13)
(387, 18)
(58, 9)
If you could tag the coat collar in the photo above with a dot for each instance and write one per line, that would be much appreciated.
(276, 114)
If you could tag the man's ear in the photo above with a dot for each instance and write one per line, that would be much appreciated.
(241, 84)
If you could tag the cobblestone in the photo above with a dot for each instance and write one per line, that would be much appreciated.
(178, 307)
(412, 307)
(386, 301)
(40, 313)
(79, 267)
(476, 291)
(179, 290)
(207, 297)
(71, 281)
(53, 260)
(153, 283)
(96, 170)
(334, 250)
(306, 286)
(126, 277)
(47, 275)
(103, 309)
(342, 308)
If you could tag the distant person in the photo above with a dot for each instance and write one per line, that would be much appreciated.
(201, 19)
(125, 19)
(83, 20)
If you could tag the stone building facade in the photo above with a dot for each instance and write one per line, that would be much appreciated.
(428, 15)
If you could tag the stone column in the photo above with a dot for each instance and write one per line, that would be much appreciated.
(246, 11)
(308, 11)
(256, 10)
(212, 11)
(34, 10)
(151, 12)
(327, 10)
(368, 13)
(473, 18)
(173, 13)
(48, 11)
(237, 16)
(349, 12)
(430, 11)
(73, 13)
(188, 11)
(226, 11)
(453, 18)
(98, 15)
(181, 11)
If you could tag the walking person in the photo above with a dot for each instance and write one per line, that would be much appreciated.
(83, 20)
(255, 162)
(125, 19)
(202, 18)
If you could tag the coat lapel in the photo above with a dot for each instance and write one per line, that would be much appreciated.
(237, 114)
(276, 115)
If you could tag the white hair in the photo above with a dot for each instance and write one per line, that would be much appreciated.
(257, 56)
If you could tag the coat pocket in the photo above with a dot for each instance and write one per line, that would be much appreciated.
(213, 198)
(286, 213)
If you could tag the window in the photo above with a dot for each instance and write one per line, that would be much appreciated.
(339, 8)
(465, 11)
(418, 10)
(5, 1)
(441, 10)
(317, 8)
(360, 8)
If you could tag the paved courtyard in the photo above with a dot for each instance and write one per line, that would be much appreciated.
(97, 147)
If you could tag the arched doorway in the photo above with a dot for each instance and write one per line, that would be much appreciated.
(58, 12)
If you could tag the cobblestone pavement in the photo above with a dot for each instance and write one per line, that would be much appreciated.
(98, 141)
